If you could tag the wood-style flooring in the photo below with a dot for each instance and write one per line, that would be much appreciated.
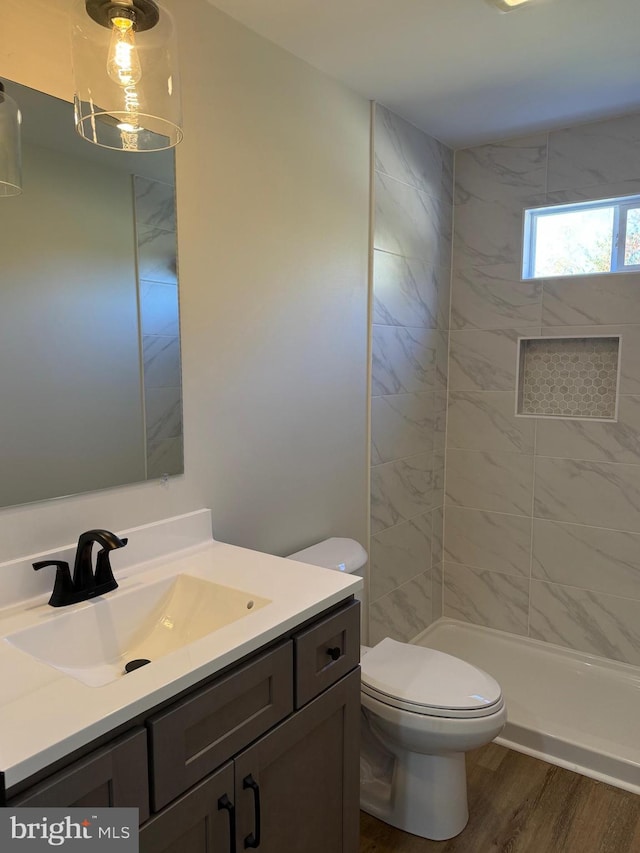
(518, 804)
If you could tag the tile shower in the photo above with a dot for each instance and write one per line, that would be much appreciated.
(542, 515)
(411, 276)
(542, 532)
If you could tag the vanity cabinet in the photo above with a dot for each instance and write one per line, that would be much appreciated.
(264, 756)
(115, 775)
(295, 789)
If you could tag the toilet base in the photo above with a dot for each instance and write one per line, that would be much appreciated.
(427, 795)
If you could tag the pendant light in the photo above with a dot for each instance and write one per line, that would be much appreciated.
(10, 152)
(127, 89)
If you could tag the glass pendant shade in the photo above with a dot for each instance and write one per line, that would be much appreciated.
(127, 87)
(10, 152)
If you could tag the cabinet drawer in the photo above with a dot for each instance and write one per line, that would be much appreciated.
(115, 775)
(198, 734)
(326, 651)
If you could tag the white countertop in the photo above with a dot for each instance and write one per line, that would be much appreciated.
(45, 714)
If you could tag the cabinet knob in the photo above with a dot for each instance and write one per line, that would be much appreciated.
(334, 653)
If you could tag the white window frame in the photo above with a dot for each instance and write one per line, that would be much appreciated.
(621, 207)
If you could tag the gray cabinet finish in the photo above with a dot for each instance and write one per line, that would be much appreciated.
(307, 770)
(199, 733)
(275, 737)
(195, 823)
(327, 650)
(115, 775)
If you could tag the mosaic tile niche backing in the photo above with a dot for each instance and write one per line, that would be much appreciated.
(569, 377)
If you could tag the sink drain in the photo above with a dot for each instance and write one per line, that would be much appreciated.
(136, 664)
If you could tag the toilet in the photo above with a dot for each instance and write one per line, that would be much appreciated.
(422, 710)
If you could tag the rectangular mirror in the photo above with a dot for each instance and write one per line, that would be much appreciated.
(90, 380)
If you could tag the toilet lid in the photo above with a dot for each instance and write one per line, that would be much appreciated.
(425, 678)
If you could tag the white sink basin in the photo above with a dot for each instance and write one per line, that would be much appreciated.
(94, 643)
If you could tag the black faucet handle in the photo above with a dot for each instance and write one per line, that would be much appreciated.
(63, 589)
(59, 564)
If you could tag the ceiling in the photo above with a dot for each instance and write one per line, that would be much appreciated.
(459, 69)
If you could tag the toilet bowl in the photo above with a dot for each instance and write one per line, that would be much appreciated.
(421, 711)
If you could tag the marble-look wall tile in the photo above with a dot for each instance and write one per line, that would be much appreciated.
(596, 441)
(437, 591)
(400, 554)
(448, 161)
(490, 232)
(439, 420)
(488, 540)
(596, 153)
(496, 482)
(161, 359)
(163, 411)
(407, 291)
(411, 223)
(585, 474)
(595, 192)
(601, 494)
(587, 557)
(403, 360)
(407, 153)
(486, 598)
(513, 168)
(438, 479)
(403, 613)
(588, 621)
(401, 490)
(401, 426)
(493, 297)
(164, 456)
(437, 535)
(592, 300)
(486, 420)
(155, 203)
(485, 360)
(629, 349)
(159, 308)
(157, 255)
(442, 361)
(410, 315)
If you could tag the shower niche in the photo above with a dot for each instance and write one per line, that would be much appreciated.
(568, 377)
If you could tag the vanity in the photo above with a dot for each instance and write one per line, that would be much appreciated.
(246, 737)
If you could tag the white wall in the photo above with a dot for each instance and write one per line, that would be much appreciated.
(273, 238)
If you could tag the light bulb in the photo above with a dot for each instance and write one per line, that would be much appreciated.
(123, 67)
(123, 62)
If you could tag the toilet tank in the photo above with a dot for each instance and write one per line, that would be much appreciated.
(341, 555)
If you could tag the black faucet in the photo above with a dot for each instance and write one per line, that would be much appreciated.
(85, 583)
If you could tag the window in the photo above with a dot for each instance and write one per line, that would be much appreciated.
(581, 239)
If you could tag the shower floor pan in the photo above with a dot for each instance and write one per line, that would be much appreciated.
(572, 709)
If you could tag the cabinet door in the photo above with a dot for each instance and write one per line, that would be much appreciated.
(115, 775)
(297, 788)
(199, 822)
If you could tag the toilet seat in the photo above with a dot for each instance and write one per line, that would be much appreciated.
(427, 682)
